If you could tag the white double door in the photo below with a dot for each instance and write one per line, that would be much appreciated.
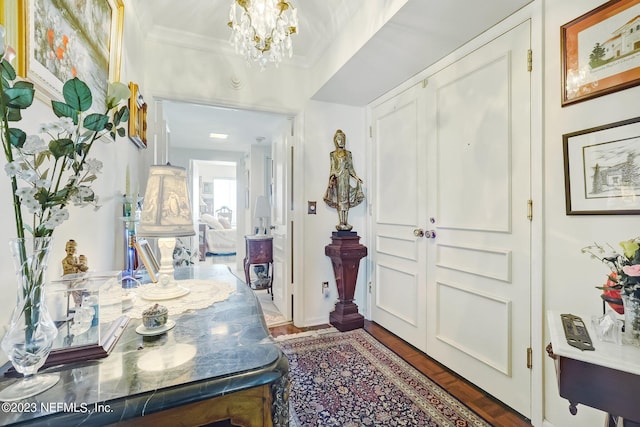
(451, 247)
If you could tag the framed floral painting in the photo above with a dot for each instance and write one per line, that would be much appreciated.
(602, 169)
(55, 41)
(601, 51)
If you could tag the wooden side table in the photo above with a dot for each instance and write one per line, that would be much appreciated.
(259, 250)
(202, 241)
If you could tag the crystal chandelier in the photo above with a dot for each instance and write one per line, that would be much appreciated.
(261, 29)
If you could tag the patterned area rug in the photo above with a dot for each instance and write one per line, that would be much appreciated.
(349, 379)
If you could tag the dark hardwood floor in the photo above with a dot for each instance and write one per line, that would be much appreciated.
(493, 411)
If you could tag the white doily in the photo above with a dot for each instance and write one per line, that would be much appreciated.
(202, 293)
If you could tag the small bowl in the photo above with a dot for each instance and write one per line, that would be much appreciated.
(155, 316)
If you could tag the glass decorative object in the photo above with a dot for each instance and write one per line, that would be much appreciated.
(31, 332)
(631, 335)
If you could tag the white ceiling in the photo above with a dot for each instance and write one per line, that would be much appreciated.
(420, 34)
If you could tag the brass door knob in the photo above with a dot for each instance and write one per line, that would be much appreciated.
(418, 232)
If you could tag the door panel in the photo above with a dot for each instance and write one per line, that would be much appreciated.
(399, 284)
(489, 339)
(478, 267)
(282, 262)
(480, 148)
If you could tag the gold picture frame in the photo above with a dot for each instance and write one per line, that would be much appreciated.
(145, 254)
(601, 51)
(37, 29)
(137, 117)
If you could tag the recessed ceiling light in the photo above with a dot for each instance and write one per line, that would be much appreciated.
(218, 135)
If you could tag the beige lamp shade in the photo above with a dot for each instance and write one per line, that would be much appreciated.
(167, 209)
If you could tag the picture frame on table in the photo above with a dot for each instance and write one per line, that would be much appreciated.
(600, 51)
(55, 43)
(137, 117)
(150, 262)
(602, 169)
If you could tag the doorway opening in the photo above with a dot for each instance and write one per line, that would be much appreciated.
(215, 190)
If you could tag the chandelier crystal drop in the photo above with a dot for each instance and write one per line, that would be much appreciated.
(261, 29)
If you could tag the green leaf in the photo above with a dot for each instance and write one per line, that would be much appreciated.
(124, 114)
(23, 84)
(85, 136)
(14, 115)
(8, 71)
(122, 132)
(77, 94)
(18, 97)
(80, 148)
(95, 122)
(61, 147)
(17, 137)
(64, 110)
(42, 197)
(40, 158)
(44, 174)
(90, 178)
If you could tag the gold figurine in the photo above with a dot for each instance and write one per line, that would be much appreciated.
(71, 264)
(340, 194)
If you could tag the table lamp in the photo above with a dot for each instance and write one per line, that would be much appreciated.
(166, 214)
(262, 212)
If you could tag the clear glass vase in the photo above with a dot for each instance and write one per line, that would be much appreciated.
(631, 335)
(31, 332)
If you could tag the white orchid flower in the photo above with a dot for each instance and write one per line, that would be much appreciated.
(34, 145)
(93, 165)
(12, 169)
(116, 93)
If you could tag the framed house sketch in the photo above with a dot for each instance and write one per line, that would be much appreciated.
(602, 169)
(601, 51)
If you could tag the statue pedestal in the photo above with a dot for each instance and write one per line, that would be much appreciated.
(345, 252)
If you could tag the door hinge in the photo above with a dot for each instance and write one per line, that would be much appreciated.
(369, 287)
(529, 60)
(530, 210)
(370, 131)
(425, 82)
(529, 358)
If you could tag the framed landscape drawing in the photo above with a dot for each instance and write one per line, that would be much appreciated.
(601, 51)
(602, 169)
(63, 41)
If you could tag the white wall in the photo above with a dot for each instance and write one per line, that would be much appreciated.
(570, 277)
(321, 120)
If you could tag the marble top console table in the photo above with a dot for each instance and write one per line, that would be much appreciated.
(607, 378)
(217, 363)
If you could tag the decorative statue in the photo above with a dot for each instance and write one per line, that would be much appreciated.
(340, 194)
(71, 264)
